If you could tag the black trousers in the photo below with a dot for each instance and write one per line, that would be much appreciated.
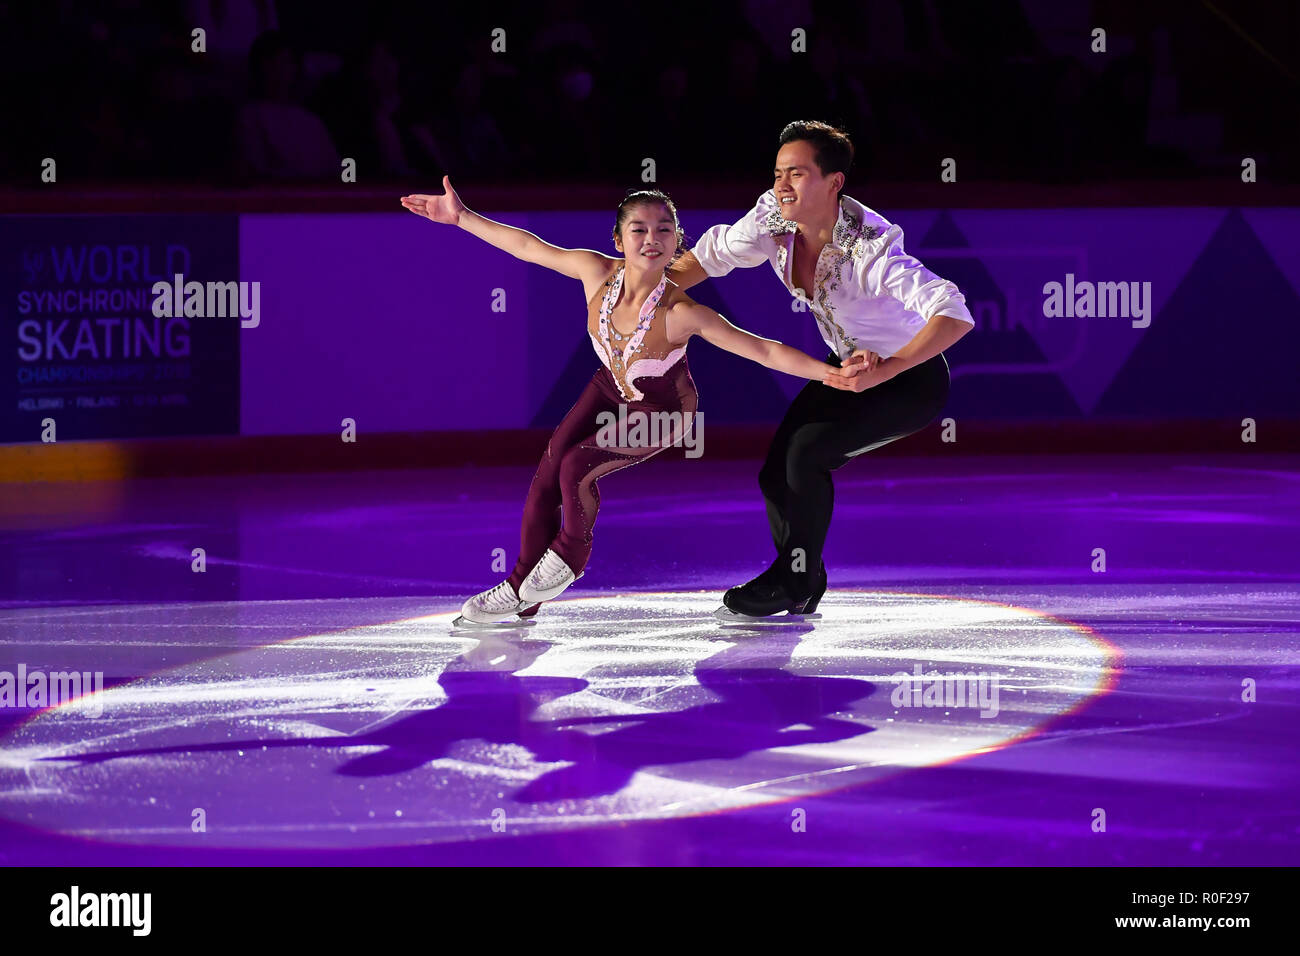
(823, 430)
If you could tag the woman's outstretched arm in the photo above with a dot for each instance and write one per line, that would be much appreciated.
(690, 318)
(584, 264)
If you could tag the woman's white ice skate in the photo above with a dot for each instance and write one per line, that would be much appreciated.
(547, 580)
(496, 607)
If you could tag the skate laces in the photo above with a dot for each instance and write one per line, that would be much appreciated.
(550, 569)
(501, 594)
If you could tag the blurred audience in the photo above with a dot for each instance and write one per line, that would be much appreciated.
(1011, 88)
(276, 137)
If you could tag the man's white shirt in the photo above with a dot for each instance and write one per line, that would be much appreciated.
(868, 293)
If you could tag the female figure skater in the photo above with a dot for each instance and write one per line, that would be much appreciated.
(639, 322)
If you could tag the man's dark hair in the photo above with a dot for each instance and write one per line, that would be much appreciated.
(832, 148)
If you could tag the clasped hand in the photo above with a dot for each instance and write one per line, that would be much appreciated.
(860, 371)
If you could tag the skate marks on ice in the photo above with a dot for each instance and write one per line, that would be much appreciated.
(462, 623)
(729, 617)
(612, 708)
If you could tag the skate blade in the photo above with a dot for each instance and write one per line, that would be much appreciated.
(728, 616)
(462, 623)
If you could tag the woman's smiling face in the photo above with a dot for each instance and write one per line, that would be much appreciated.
(649, 235)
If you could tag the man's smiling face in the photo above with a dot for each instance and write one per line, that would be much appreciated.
(802, 191)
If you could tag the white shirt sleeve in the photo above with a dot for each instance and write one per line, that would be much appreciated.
(745, 244)
(897, 274)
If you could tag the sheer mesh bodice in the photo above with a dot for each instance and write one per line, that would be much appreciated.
(646, 352)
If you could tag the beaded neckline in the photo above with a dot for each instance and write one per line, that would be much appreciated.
(644, 317)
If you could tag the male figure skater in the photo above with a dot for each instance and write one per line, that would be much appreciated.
(876, 307)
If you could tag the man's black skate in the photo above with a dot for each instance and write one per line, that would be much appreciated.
(766, 595)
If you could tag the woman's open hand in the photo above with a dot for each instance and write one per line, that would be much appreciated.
(445, 208)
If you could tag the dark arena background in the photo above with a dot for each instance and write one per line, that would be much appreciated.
(237, 548)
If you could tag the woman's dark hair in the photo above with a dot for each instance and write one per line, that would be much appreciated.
(655, 197)
(832, 148)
